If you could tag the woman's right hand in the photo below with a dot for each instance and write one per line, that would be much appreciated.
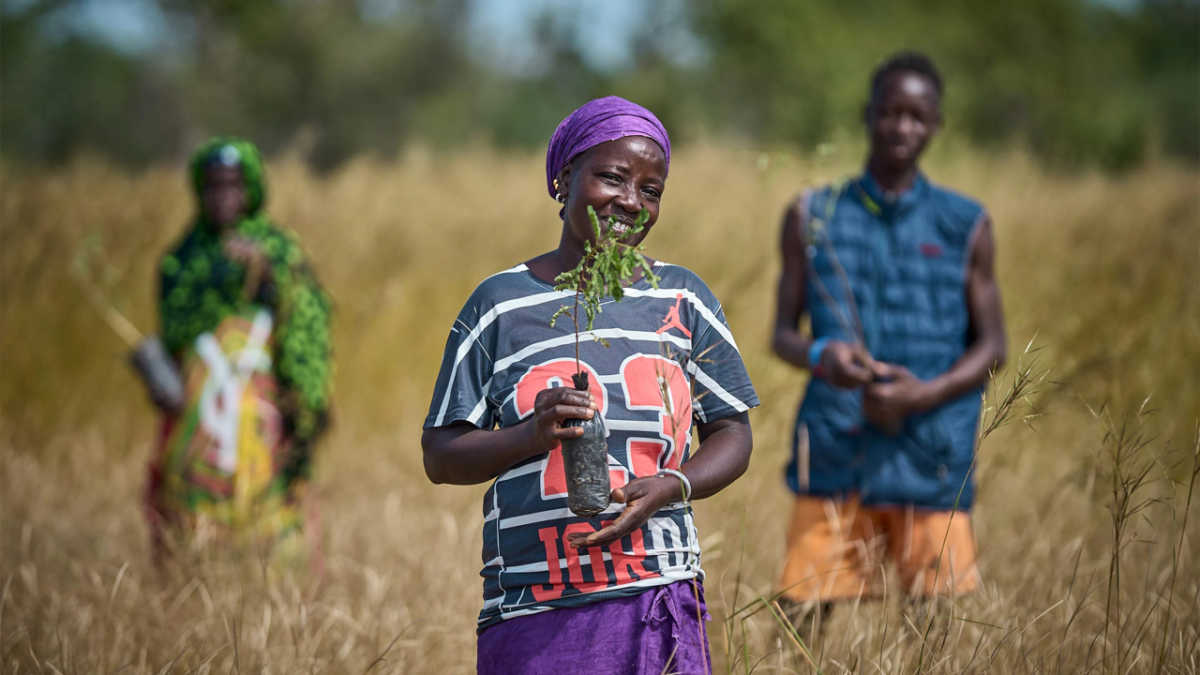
(461, 453)
(550, 408)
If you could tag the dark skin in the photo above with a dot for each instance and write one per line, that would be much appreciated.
(224, 202)
(903, 117)
(617, 179)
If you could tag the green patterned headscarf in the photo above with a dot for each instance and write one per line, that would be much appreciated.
(232, 151)
(200, 288)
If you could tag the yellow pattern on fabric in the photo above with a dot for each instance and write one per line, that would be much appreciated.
(248, 503)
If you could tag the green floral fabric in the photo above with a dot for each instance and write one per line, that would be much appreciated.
(200, 287)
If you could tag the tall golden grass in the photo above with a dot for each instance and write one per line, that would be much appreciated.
(1089, 560)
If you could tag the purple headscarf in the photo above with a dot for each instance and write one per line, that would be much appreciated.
(599, 121)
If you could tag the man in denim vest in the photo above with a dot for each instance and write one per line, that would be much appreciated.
(896, 276)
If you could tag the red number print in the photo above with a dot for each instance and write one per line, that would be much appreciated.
(649, 382)
(653, 382)
(556, 373)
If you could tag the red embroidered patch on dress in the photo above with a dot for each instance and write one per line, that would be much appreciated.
(931, 250)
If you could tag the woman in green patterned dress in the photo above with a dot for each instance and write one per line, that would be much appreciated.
(249, 328)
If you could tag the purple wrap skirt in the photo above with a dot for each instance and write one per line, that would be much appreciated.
(659, 631)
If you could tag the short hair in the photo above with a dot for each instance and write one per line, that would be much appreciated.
(907, 62)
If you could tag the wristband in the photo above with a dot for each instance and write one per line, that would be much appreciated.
(687, 484)
(815, 351)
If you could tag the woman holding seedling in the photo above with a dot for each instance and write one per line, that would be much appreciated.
(246, 323)
(618, 592)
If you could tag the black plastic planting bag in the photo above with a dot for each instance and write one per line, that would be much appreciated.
(586, 462)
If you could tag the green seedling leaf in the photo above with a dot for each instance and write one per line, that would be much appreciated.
(565, 309)
(602, 272)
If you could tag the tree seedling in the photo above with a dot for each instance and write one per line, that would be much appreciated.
(606, 265)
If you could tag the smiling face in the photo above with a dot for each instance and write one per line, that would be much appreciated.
(904, 114)
(617, 179)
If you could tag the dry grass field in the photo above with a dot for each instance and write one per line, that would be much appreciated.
(1090, 549)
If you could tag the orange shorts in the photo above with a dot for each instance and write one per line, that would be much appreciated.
(836, 550)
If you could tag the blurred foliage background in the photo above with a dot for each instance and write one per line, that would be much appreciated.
(1109, 83)
(397, 126)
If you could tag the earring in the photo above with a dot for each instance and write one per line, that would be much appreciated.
(556, 185)
(560, 198)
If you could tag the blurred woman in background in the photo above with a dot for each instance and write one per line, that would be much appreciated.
(248, 326)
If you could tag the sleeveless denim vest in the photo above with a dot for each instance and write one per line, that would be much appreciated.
(905, 263)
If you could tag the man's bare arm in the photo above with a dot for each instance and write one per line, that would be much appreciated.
(787, 343)
(847, 365)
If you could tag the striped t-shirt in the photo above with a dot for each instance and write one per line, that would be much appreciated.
(667, 344)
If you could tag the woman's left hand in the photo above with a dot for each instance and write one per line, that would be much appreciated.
(250, 254)
(642, 497)
(724, 454)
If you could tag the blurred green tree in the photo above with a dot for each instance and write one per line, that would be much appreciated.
(343, 80)
(1077, 81)
(60, 97)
